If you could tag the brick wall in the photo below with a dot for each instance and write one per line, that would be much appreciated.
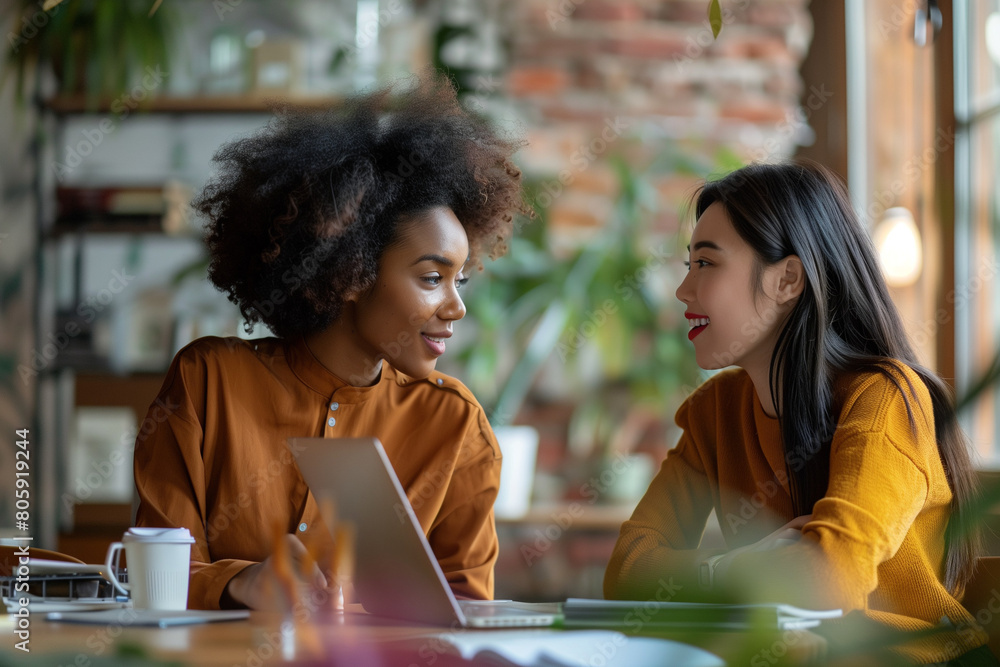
(592, 78)
(583, 69)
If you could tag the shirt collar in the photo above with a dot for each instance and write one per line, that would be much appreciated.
(770, 441)
(766, 424)
(312, 373)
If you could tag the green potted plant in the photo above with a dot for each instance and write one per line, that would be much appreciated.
(604, 315)
(99, 48)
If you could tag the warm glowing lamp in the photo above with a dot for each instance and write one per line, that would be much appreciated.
(993, 37)
(897, 240)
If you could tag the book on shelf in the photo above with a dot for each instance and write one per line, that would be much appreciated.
(159, 208)
(638, 615)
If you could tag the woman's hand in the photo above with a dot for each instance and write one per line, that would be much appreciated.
(289, 571)
(790, 533)
(787, 535)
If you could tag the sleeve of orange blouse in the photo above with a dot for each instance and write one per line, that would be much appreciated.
(656, 554)
(170, 479)
(876, 490)
(464, 536)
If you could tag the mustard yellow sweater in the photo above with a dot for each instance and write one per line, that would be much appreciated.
(875, 544)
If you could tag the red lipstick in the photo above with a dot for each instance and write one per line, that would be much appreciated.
(698, 329)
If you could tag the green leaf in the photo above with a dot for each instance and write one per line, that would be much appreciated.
(715, 17)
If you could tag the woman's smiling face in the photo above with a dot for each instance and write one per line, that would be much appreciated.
(408, 315)
(731, 324)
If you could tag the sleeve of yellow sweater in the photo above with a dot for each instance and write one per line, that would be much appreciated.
(877, 487)
(656, 551)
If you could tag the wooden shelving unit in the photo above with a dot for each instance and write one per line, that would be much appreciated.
(257, 103)
(77, 382)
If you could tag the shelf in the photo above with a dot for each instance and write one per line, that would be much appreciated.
(151, 227)
(263, 103)
(137, 391)
(581, 516)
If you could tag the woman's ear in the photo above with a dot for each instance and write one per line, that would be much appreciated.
(792, 279)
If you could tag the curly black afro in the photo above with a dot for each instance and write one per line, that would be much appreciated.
(301, 211)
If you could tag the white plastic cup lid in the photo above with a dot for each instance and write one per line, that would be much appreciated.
(169, 535)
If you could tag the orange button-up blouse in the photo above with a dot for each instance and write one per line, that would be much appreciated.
(210, 456)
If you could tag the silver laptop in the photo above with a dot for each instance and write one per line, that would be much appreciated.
(396, 573)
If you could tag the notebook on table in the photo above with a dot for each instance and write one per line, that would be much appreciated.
(148, 617)
(396, 573)
(571, 648)
(655, 615)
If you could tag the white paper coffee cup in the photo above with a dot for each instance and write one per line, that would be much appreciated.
(158, 567)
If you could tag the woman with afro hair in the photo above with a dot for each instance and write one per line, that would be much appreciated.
(349, 233)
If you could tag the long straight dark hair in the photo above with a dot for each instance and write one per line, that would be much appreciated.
(844, 321)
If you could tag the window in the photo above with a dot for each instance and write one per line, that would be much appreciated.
(977, 220)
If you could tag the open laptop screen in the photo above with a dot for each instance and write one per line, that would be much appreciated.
(396, 572)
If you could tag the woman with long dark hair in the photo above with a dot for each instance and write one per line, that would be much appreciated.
(831, 457)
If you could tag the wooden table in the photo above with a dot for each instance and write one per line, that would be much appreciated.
(353, 639)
